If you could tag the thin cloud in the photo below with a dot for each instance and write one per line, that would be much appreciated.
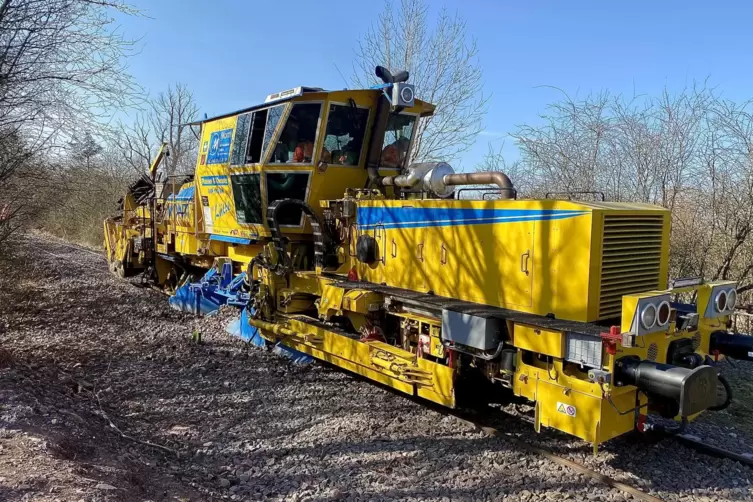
(491, 133)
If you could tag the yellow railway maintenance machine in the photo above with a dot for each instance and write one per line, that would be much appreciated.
(386, 270)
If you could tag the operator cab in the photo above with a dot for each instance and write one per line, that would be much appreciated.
(306, 144)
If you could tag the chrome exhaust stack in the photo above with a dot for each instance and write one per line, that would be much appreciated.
(440, 179)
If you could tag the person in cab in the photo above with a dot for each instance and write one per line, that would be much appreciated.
(393, 155)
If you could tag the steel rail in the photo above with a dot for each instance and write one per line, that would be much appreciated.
(696, 444)
(684, 439)
(565, 462)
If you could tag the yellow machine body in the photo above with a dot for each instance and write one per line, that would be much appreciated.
(573, 260)
(543, 299)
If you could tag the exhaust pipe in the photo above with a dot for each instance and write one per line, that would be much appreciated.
(488, 178)
(694, 390)
(440, 179)
(732, 345)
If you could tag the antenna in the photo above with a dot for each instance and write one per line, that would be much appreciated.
(341, 74)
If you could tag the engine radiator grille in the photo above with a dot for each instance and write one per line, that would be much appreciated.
(631, 259)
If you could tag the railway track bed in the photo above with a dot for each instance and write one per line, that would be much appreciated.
(224, 421)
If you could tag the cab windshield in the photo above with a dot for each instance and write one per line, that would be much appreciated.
(296, 142)
(346, 126)
(397, 136)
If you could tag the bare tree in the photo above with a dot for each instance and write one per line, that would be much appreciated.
(62, 63)
(164, 121)
(136, 143)
(15, 159)
(171, 110)
(84, 192)
(442, 60)
(691, 152)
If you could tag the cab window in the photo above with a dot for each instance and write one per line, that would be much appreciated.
(240, 142)
(296, 142)
(397, 138)
(247, 197)
(273, 118)
(249, 136)
(346, 126)
(288, 186)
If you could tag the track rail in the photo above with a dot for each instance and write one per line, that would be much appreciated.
(709, 449)
(71, 260)
(558, 459)
(687, 440)
(684, 439)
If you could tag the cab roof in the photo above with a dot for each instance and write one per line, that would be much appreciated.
(288, 95)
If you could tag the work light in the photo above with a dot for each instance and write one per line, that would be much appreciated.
(648, 316)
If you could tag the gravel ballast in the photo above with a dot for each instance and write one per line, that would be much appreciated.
(104, 396)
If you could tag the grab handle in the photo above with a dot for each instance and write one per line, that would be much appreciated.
(524, 261)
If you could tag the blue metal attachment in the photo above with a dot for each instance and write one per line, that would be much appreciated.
(218, 288)
(211, 292)
(384, 88)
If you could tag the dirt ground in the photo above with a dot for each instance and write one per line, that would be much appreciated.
(104, 396)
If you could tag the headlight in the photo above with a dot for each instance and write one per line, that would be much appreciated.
(648, 316)
(663, 313)
(720, 302)
(717, 299)
(731, 300)
(406, 93)
(650, 311)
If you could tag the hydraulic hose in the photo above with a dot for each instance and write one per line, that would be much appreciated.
(662, 429)
(322, 239)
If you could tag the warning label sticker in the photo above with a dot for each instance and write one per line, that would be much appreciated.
(567, 409)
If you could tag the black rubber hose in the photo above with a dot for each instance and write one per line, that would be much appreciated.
(679, 429)
(728, 390)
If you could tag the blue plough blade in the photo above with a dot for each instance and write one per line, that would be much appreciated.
(211, 292)
(295, 356)
(243, 330)
(216, 289)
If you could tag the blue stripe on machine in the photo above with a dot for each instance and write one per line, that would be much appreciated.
(214, 181)
(227, 238)
(414, 217)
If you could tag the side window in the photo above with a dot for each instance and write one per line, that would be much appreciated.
(397, 140)
(240, 143)
(249, 136)
(273, 118)
(257, 136)
(296, 143)
(288, 186)
(247, 197)
(346, 126)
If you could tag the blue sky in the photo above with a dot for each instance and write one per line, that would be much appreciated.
(233, 53)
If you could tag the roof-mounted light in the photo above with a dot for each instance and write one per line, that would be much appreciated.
(290, 93)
